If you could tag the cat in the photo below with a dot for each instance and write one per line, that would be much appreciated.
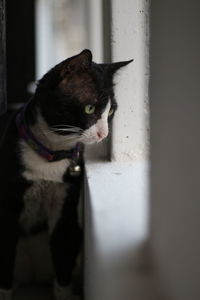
(41, 159)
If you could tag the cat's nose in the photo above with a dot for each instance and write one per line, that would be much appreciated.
(101, 134)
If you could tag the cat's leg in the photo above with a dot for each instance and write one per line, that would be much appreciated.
(8, 241)
(65, 242)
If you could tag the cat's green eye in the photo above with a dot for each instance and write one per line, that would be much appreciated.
(111, 112)
(89, 109)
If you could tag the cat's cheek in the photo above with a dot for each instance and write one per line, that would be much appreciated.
(96, 133)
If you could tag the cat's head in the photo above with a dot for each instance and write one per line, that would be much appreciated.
(76, 98)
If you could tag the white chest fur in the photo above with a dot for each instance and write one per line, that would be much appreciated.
(37, 168)
(44, 199)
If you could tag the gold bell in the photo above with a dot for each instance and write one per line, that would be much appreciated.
(75, 171)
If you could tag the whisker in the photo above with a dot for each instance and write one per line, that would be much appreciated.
(66, 130)
(65, 126)
(74, 137)
(70, 129)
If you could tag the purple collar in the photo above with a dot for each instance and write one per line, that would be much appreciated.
(37, 146)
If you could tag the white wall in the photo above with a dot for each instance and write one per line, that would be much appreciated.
(116, 228)
(175, 146)
(116, 193)
(130, 41)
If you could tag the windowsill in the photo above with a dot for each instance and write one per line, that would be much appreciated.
(116, 222)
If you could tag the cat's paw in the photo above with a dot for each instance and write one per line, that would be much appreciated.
(5, 294)
(62, 292)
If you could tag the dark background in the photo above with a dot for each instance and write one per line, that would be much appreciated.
(17, 52)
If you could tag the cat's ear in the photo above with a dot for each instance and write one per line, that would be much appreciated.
(114, 67)
(81, 61)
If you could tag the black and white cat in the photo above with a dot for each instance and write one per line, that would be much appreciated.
(41, 162)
